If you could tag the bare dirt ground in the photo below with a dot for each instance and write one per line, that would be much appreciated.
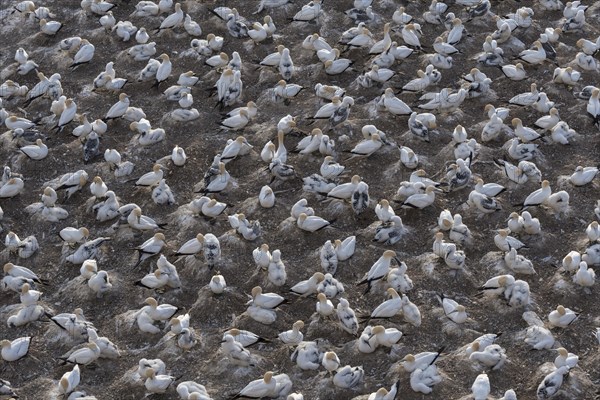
(36, 376)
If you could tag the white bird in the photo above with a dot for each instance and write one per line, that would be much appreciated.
(454, 311)
(265, 300)
(347, 317)
(583, 175)
(37, 151)
(235, 351)
(481, 387)
(173, 20)
(552, 383)
(69, 380)
(308, 12)
(16, 349)
(423, 380)
(50, 28)
(157, 383)
(84, 54)
(393, 104)
(217, 284)
(347, 376)
(488, 355)
(311, 223)
(562, 317)
(294, 336)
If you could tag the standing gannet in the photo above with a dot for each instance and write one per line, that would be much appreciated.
(379, 269)
(69, 381)
(164, 70)
(262, 256)
(324, 306)
(84, 54)
(173, 20)
(150, 247)
(347, 318)
(119, 108)
(328, 258)
(276, 269)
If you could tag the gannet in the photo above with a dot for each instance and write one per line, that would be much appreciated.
(17, 271)
(537, 197)
(423, 380)
(150, 247)
(217, 284)
(265, 300)
(69, 380)
(107, 348)
(585, 277)
(137, 220)
(491, 356)
(307, 356)
(311, 223)
(562, 317)
(347, 317)
(552, 383)
(481, 386)
(347, 376)
(380, 268)
(29, 296)
(330, 286)
(583, 175)
(84, 356)
(119, 108)
(276, 271)
(245, 338)
(518, 263)
(294, 336)
(308, 287)
(98, 188)
(157, 383)
(72, 236)
(328, 257)
(16, 349)
(235, 351)
(548, 121)
(84, 54)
